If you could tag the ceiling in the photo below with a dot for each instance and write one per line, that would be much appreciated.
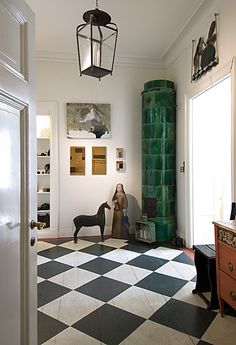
(147, 29)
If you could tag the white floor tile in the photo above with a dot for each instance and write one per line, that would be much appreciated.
(71, 307)
(139, 301)
(120, 255)
(128, 274)
(74, 278)
(41, 245)
(186, 295)
(75, 258)
(222, 331)
(164, 253)
(178, 270)
(71, 336)
(114, 242)
(42, 260)
(40, 280)
(81, 244)
(152, 333)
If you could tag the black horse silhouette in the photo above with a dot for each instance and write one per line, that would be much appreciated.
(96, 219)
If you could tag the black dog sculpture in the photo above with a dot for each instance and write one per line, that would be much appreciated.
(96, 219)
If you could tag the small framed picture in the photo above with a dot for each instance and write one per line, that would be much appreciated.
(120, 166)
(119, 152)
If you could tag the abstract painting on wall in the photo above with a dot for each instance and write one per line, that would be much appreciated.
(88, 120)
(77, 160)
(99, 162)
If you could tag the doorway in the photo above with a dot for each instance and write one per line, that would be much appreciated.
(211, 160)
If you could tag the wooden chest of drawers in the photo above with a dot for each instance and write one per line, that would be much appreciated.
(225, 240)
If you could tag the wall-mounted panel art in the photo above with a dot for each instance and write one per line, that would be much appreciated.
(88, 120)
(119, 152)
(99, 160)
(77, 160)
(120, 166)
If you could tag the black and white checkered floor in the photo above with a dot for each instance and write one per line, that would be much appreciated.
(115, 292)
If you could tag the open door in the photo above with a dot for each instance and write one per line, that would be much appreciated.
(18, 289)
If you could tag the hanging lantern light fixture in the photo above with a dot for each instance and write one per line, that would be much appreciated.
(96, 43)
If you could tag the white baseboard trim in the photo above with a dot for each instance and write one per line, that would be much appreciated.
(86, 231)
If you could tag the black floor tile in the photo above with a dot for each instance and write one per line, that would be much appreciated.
(48, 327)
(162, 284)
(100, 265)
(55, 252)
(109, 325)
(147, 262)
(138, 247)
(103, 288)
(97, 249)
(51, 269)
(201, 342)
(48, 291)
(58, 241)
(184, 317)
(194, 279)
(184, 259)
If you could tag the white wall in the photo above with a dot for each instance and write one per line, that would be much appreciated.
(60, 82)
(179, 70)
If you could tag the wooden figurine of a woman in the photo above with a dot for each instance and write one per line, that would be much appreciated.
(120, 223)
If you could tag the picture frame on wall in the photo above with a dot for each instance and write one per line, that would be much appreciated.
(88, 120)
(99, 160)
(77, 160)
(120, 166)
(119, 152)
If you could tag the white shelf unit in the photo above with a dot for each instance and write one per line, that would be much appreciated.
(49, 109)
(43, 179)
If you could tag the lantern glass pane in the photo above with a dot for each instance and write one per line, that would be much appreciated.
(85, 47)
(103, 47)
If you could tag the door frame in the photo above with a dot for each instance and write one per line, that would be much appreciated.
(195, 90)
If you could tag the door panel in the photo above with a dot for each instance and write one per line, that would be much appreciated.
(10, 222)
(18, 269)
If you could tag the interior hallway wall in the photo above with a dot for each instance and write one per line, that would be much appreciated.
(60, 82)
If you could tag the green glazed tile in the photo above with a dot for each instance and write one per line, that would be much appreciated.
(168, 146)
(170, 162)
(170, 130)
(168, 177)
(155, 146)
(168, 114)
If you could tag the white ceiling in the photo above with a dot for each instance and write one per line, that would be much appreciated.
(147, 28)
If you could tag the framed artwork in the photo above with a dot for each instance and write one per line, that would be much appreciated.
(77, 160)
(88, 120)
(99, 161)
(120, 166)
(119, 152)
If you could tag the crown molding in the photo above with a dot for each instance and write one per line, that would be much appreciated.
(184, 39)
(121, 61)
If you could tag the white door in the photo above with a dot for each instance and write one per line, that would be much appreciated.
(18, 308)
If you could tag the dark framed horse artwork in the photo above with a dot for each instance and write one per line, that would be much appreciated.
(87, 220)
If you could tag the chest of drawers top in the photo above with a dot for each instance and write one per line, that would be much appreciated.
(226, 232)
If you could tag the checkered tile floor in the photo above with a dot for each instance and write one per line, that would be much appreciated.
(116, 292)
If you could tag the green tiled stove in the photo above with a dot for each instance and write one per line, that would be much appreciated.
(158, 157)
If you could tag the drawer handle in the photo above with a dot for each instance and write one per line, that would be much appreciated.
(232, 295)
(231, 267)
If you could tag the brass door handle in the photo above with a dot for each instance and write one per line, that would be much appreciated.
(38, 225)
